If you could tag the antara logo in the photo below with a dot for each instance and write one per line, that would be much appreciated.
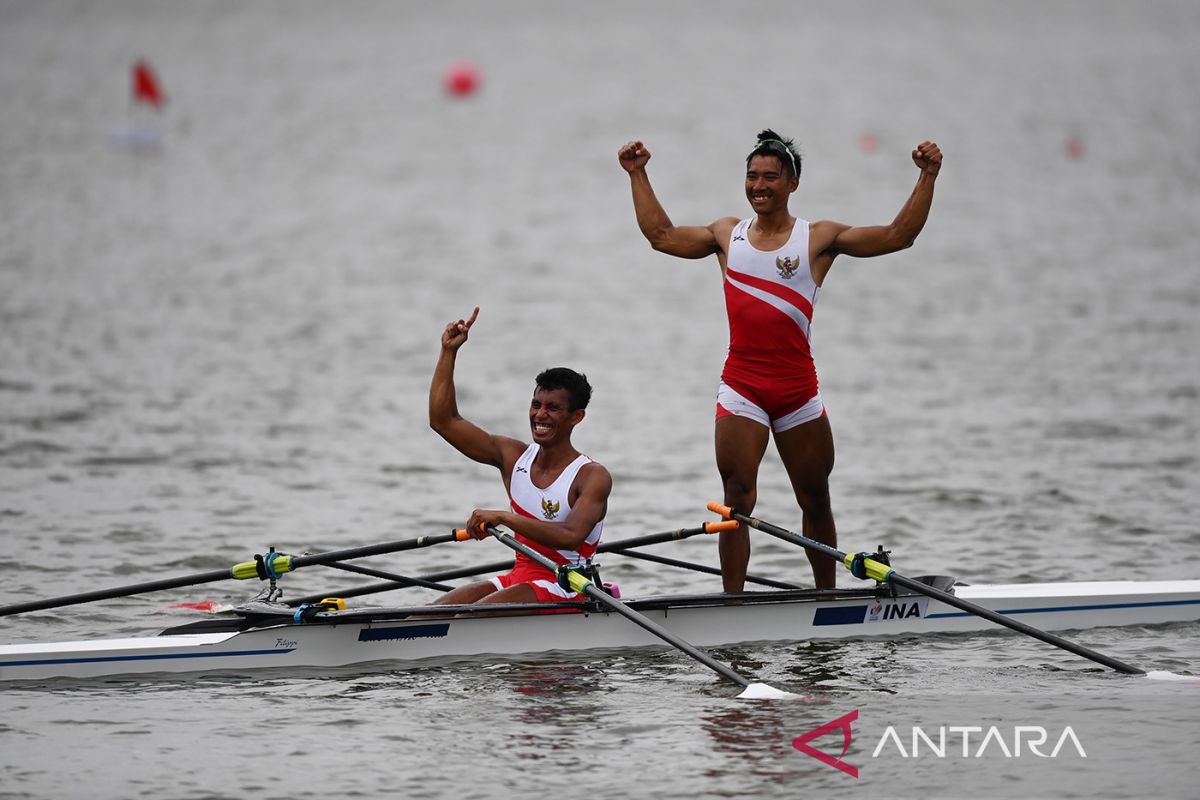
(973, 741)
(842, 723)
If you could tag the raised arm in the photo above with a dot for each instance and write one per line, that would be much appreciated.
(589, 506)
(877, 240)
(689, 241)
(465, 436)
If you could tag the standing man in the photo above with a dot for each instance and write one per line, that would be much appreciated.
(558, 496)
(773, 266)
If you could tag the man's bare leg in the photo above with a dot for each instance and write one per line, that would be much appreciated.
(517, 593)
(460, 595)
(741, 443)
(470, 593)
(807, 453)
(483, 593)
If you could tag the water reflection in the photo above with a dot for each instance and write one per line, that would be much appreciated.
(845, 663)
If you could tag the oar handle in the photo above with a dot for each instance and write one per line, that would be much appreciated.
(873, 568)
(719, 508)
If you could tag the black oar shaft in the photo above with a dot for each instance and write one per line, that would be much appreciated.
(402, 582)
(618, 546)
(119, 591)
(613, 604)
(212, 576)
(370, 550)
(659, 538)
(1016, 625)
(391, 576)
(944, 597)
(671, 562)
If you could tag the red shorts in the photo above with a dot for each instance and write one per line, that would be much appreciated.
(542, 581)
(778, 417)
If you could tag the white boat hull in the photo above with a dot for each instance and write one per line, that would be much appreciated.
(334, 643)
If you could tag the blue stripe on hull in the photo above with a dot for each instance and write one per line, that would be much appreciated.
(856, 615)
(404, 632)
(160, 657)
(841, 615)
(1054, 609)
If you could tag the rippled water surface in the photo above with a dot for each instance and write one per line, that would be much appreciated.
(225, 343)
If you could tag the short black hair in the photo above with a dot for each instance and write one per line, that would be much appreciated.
(579, 391)
(771, 143)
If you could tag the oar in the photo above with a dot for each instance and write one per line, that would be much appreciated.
(751, 690)
(270, 566)
(667, 536)
(673, 562)
(402, 582)
(861, 565)
(624, 547)
(391, 576)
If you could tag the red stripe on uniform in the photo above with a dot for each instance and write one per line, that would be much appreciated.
(548, 552)
(518, 510)
(782, 292)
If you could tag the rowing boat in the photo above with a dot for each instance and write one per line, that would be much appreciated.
(272, 635)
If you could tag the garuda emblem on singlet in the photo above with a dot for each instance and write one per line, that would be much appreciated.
(787, 266)
(549, 510)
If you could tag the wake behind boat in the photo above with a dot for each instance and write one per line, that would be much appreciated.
(301, 635)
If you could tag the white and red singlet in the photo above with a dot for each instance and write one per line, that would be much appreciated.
(551, 504)
(769, 375)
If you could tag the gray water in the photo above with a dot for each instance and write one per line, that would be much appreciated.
(226, 343)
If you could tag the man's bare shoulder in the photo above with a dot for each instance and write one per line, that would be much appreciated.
(595, 472)
(722, 228)
(594, 468)
(510, 450)
(822, 233)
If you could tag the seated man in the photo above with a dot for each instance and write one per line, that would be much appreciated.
(558, 496)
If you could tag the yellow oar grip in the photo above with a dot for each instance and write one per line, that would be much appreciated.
(874, 569)
(577, 581)
(249, 569)
(244, 570)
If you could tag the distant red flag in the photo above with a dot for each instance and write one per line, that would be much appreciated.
(145, 86)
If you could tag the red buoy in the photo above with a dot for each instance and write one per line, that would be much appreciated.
(461, 80)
